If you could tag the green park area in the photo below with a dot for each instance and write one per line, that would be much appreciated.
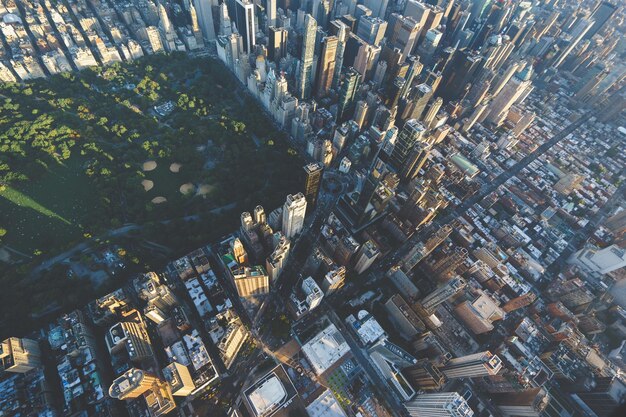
(170, 144)
(161, 138)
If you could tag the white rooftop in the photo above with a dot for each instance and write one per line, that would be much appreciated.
(326, 405)
(325, 349)
(268, 395)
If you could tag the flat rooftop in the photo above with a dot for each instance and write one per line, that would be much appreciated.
(325, 349)
(271, 393)
(326, 405)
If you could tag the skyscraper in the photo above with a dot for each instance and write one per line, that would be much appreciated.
(225, 24)
(294, 211)
(179, 379)
(416, 160)
(378, 7)
(517, 88)
(19, 355)
(371, 29)
(441, 404)
(271, 12)
(601, 15)
(472, 366)
(411, 133)
(347, 92)
(305, 74)
(425, 375)
(326, 70)
(245, 21)
(417, 100)
(441, 294)
(459, 74)
(277, 43)
(131, 384)
(205, 18)
(366, 256)
(135, 383)
(404, 35)
(130, 336)
(449, 263)
(312, 182)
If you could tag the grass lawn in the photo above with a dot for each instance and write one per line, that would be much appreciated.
(49, 212)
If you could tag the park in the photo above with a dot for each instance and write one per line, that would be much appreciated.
(160, 138)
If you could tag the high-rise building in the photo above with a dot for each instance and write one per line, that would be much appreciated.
(136, 383)
(516, 89)
(277, 259)
(441, 294)
(326, 70)
(334, 280)
(404, 35)
(179, 379)
(522, 301)
(305, 72)
(371, 29)
(320, 9)
(378, 7)
(472, 366)
(415, 161)
(238, 251)
(19, 355)
(251, 281)
(416, 102)
(246, 23)
(450, 262)
(425, 375)
(225, 24)
(294, 211)
(459, 74)
(573, 38)
(205, 18)
(271, 12)
(131, 384)
(411, 133)
(277, 43)
(530, 402)
(259, 215)
(132, 337)
(431, 114)
(312, 182)
(600, 15)
(347, 92)
(419, 12)
(403, 318)
(422, 250)
(366, 256)
(195, 26)
(441, 404)
(366, 59)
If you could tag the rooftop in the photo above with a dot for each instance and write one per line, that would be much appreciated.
(325, 349)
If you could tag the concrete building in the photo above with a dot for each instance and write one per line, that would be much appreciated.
(251, 281)
(441, 294)
(600, 261)
(472, 366)
(294, 211)
(404, 319)
(19, 355)
(179, 379)
(325, 349)
(443, 404)
(305, 73)
(366, 256)
(136, 383)
(132, 337)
